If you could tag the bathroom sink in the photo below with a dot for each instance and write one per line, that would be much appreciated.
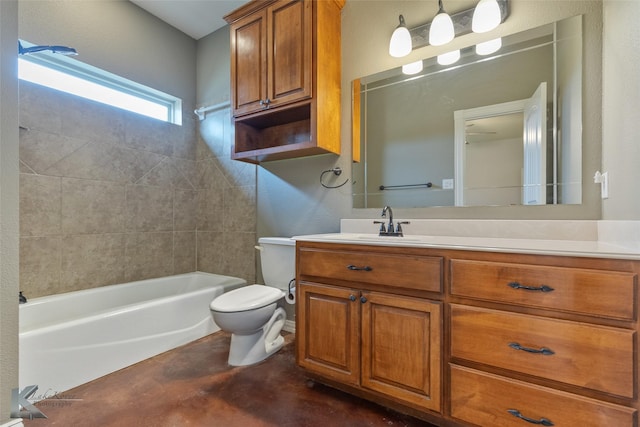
(357, 237)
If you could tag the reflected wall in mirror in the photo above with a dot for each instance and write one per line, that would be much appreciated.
(503, 129)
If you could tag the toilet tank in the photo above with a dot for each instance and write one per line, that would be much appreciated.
(278, 261)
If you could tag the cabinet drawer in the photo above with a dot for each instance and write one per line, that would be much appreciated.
(596, 357)
(490, 400)
(403, 271)
(609, 294)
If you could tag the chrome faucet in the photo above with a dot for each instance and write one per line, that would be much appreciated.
(391, 229)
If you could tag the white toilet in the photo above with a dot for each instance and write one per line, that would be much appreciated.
(251, 313)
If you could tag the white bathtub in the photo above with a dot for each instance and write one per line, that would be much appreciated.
(72, 338)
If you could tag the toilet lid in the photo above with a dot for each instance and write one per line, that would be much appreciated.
(246, 298)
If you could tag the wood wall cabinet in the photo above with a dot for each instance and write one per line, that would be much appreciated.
(285, 78)
(526, 339)
(364, 332)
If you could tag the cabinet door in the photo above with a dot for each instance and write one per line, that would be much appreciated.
(290, 48)
(401, 348)
(249, 63)
(327, 331)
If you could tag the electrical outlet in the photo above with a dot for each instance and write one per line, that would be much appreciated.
(447, 184)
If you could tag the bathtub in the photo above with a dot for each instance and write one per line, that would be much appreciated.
(72, 338)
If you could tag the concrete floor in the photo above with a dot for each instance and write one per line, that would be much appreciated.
(193, 386)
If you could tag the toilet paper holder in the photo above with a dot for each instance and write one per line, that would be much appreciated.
(291, 294)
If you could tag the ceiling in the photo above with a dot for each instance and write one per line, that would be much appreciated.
(196, 18)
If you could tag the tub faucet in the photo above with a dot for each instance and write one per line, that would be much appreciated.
(22, 298)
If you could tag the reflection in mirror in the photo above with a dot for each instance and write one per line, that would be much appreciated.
(495, 130)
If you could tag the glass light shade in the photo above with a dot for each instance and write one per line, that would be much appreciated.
(400, 44)
(412, 68)
(441, 31)
(487, 48)
(449, 57)
(486, 16)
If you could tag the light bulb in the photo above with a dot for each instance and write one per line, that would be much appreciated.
(487, 48)
(441, 31)
(449, 57)
(412, 68)
(486, 16)
(400, 44)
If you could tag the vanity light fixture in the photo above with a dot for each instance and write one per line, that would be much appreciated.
(412, 68)
(441, 31)
(486, 16)
(400, 44)
(489, 47)
(449, 57)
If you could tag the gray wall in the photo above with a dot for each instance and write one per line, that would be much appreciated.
(621, 109)
(8, 205)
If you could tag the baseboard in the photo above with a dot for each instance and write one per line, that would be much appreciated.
(289, 326)
(16, 422)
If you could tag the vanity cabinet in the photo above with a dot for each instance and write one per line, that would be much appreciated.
(358, 327)
(285, 78)
(543, 340)
(526, 338)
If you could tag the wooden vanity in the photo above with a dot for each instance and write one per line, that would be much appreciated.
(472, 337)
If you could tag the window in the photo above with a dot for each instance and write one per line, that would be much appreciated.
(75, 77)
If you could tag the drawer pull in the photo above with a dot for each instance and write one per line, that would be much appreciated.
(543, 288)
(544, 351)
(354, 268)
(541, 421)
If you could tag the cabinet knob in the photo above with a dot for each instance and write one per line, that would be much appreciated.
(363, 300)
(352, 297)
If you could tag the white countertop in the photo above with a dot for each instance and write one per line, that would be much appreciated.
(583, 248)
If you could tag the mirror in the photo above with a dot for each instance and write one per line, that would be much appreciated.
(495, 130)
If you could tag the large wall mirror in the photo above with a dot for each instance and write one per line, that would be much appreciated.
(494, 130)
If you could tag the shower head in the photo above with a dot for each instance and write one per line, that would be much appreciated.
(63, 50)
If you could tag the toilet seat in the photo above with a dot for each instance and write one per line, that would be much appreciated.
(246, 298)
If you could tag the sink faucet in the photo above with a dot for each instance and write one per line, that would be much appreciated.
(390, 228)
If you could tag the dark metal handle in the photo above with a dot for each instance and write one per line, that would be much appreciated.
(541, 421)
(544, 351)
(354, 268)
(352, 297)
(363, 300)
(543, 288)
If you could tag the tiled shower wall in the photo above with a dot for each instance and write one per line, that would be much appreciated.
(108, 196)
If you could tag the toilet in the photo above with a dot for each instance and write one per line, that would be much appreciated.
(254, 314)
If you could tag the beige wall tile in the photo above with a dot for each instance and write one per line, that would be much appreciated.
(210, 251)
(40, 205)
(148, 134)
(92, 260)
(149, 208)
(40, 150)
(40, 266)
(184, 252)
(40, 108)
(240, 209)
(239, 257)
(148, 255)
(86, 119)
(210, 204)
(185, 210)
(92, 206)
